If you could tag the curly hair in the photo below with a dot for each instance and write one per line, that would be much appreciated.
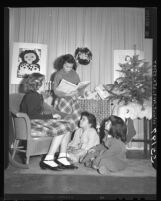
(63, 59)
(22, 54)
(118, 128)
(91, 118)
(33, 82)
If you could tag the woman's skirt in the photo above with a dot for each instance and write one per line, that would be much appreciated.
(70, 107)
(49, 127)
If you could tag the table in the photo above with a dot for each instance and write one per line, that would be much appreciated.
(147, 136)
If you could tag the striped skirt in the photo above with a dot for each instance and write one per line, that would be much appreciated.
(70, 107)
(49, 127)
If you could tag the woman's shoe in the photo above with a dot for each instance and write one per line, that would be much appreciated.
(63, 166)
(46, 166)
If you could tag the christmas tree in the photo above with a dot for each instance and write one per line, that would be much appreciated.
(135, 84)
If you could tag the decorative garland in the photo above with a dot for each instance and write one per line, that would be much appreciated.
(83, 55)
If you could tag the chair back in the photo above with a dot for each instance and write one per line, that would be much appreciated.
(14, 101)
(19, 124)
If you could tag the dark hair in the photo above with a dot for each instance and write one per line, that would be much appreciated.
(65, 58)
(22, 54)
(33, 82)
(80, 51)
(91, 118)
(102, 129)
(118, 128)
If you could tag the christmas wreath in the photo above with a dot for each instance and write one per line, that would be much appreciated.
(83, 55)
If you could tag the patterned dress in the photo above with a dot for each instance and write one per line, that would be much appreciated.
(71, 107)
(43, 124)
(81, 143)
(68, 105)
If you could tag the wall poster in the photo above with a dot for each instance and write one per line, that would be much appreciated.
(27, 58)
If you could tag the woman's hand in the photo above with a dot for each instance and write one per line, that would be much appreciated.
(56, 116)
(73, 94)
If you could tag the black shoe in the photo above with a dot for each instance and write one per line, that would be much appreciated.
(46, 166)
(71, 166)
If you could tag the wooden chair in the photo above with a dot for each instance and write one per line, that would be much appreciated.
(21, 125)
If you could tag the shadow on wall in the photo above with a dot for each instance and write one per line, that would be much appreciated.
(56, 65)
(21, 85)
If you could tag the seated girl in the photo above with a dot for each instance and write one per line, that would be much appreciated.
(110, 155)
(32, 104)
(84, 138)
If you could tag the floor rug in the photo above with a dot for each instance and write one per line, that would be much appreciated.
(135, 168)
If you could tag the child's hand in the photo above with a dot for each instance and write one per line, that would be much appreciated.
(81, 159)
(91, 150)
(70, 148)
(101, 152)
(96, 162)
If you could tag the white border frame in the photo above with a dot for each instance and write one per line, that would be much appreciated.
(16, 60)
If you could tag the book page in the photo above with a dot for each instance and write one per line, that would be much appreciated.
(68, 87)
(83, 84)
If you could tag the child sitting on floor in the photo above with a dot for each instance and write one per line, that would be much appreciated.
(110, 156)
(84, 138)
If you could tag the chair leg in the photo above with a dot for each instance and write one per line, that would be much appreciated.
(27, 159)
(28, 148)
(15, 145)
(145, 137)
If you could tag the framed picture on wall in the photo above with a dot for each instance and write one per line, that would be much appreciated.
(27, 58)
(121, 56)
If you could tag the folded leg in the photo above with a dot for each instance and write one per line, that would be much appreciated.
(111, 164)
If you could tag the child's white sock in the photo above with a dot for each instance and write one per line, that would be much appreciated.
(51, 161)
(63, 160)
(49, 157)
(68, 155)
(62, 155)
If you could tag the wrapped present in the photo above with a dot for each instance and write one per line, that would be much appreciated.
(91, 95)
(102, 91)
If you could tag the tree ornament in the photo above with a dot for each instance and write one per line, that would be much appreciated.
(83, 56)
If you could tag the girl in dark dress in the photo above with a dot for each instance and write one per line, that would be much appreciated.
(32, 104)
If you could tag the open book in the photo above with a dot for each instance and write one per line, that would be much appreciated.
(68, 87)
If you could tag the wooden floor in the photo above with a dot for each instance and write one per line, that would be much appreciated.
(24, 186)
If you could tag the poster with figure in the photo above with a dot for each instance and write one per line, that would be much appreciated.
(27, 58)
(123, 56)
